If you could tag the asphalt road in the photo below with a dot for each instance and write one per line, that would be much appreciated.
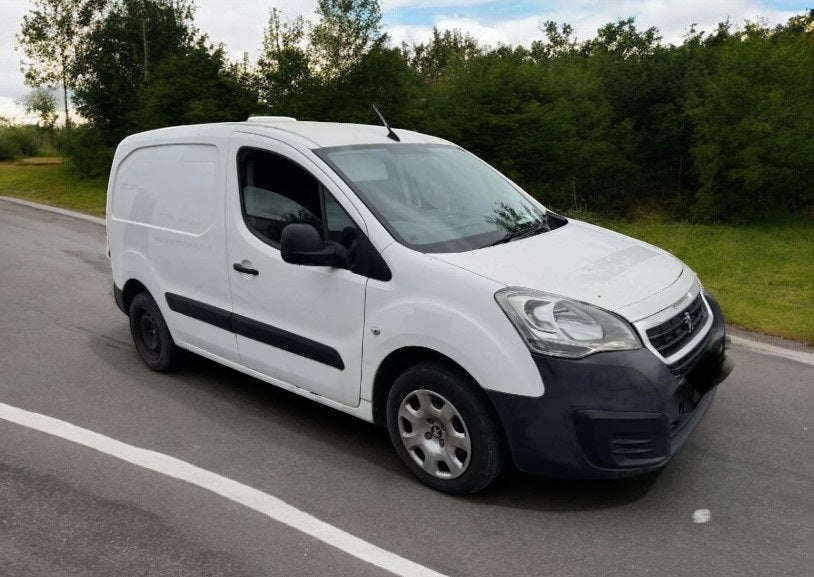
(65, 509)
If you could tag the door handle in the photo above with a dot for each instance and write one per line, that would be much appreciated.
(245, 270)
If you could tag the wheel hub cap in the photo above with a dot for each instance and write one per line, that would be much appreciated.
(434, 434)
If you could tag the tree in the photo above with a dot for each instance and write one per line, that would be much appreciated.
(558, 42)
(622, 40)
(753, 116)
(193, 87)
(381, 77)
(346, 30)
(41, 101)
(49, 36)
(283, 69)
(118, 55)
(445, 48)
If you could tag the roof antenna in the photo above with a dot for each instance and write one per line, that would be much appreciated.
(390, 134)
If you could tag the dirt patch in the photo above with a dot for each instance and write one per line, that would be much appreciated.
(42, 160)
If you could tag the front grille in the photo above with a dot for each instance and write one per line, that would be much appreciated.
(671, 335)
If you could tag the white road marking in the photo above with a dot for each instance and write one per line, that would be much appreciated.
(701, 516)
(775, 351)
(253, 498)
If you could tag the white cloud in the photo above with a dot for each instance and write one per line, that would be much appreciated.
(673, 19)
(11, 79)
(240, 25)
(12, 111)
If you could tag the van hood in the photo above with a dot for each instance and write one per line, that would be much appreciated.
(578, 261)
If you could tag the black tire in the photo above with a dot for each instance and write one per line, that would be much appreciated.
(434, 436)
(151, 335)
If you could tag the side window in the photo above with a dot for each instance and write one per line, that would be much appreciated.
(276, 192)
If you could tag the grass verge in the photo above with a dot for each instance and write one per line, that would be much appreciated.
(762, 274)
(52, 184)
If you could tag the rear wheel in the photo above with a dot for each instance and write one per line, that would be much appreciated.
(151, 335)
(444, 429)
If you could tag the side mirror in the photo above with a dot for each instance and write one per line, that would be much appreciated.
(302, 244)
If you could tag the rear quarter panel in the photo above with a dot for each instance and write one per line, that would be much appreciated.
(165, 217)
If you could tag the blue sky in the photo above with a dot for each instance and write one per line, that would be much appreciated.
(240, 24)
(421, 15)
(517, 22)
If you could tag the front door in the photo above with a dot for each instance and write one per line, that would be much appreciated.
(298, 325)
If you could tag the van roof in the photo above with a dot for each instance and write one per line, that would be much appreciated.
(308, 133)
(338, 133)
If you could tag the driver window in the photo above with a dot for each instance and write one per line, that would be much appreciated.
(275, 192)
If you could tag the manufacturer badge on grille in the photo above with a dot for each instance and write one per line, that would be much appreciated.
(688, 321)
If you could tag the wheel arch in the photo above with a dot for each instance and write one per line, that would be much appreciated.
(129, 291)
(400, 360)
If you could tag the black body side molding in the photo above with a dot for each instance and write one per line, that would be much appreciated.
(201, 311)
(255, 330)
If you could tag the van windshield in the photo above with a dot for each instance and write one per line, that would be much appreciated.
(436, 198)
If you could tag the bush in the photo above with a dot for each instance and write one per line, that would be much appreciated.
(27, 139)
(8, 147)
(88, 155)
(17, 141)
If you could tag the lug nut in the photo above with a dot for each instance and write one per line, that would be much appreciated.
(428, 436)
(441, 442)
(430, 421)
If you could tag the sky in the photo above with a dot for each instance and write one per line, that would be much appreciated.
(240, 25)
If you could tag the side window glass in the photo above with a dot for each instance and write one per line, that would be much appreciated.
(340, 227)
(276, 192)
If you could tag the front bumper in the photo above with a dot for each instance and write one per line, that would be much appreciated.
(612, 414)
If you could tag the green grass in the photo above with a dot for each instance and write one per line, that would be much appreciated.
(763, 275)
(53, 184)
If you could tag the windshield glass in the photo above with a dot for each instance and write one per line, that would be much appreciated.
(435, 198)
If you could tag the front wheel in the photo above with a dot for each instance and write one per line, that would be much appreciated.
(444, 429)
(151, 335)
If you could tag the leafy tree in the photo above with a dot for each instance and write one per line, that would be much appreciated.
(284, 67)
(754, 121)
(559, 41)
(49, 36)
(435, 57)
(622, 39)
(41, 101)
(119, 54)
(193, 87)
(381, 76)
(345, 31)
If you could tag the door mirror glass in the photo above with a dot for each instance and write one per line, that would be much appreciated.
(302, 244)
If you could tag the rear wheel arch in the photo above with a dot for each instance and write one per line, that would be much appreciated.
(151, 335)
(129, 291)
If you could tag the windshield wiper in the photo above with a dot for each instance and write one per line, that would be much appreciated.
(541, 226)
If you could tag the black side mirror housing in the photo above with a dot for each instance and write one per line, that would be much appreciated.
(302, 244)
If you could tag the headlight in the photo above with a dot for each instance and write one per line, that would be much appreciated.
(561, 327)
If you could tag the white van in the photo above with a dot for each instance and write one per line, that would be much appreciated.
(398, 278)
